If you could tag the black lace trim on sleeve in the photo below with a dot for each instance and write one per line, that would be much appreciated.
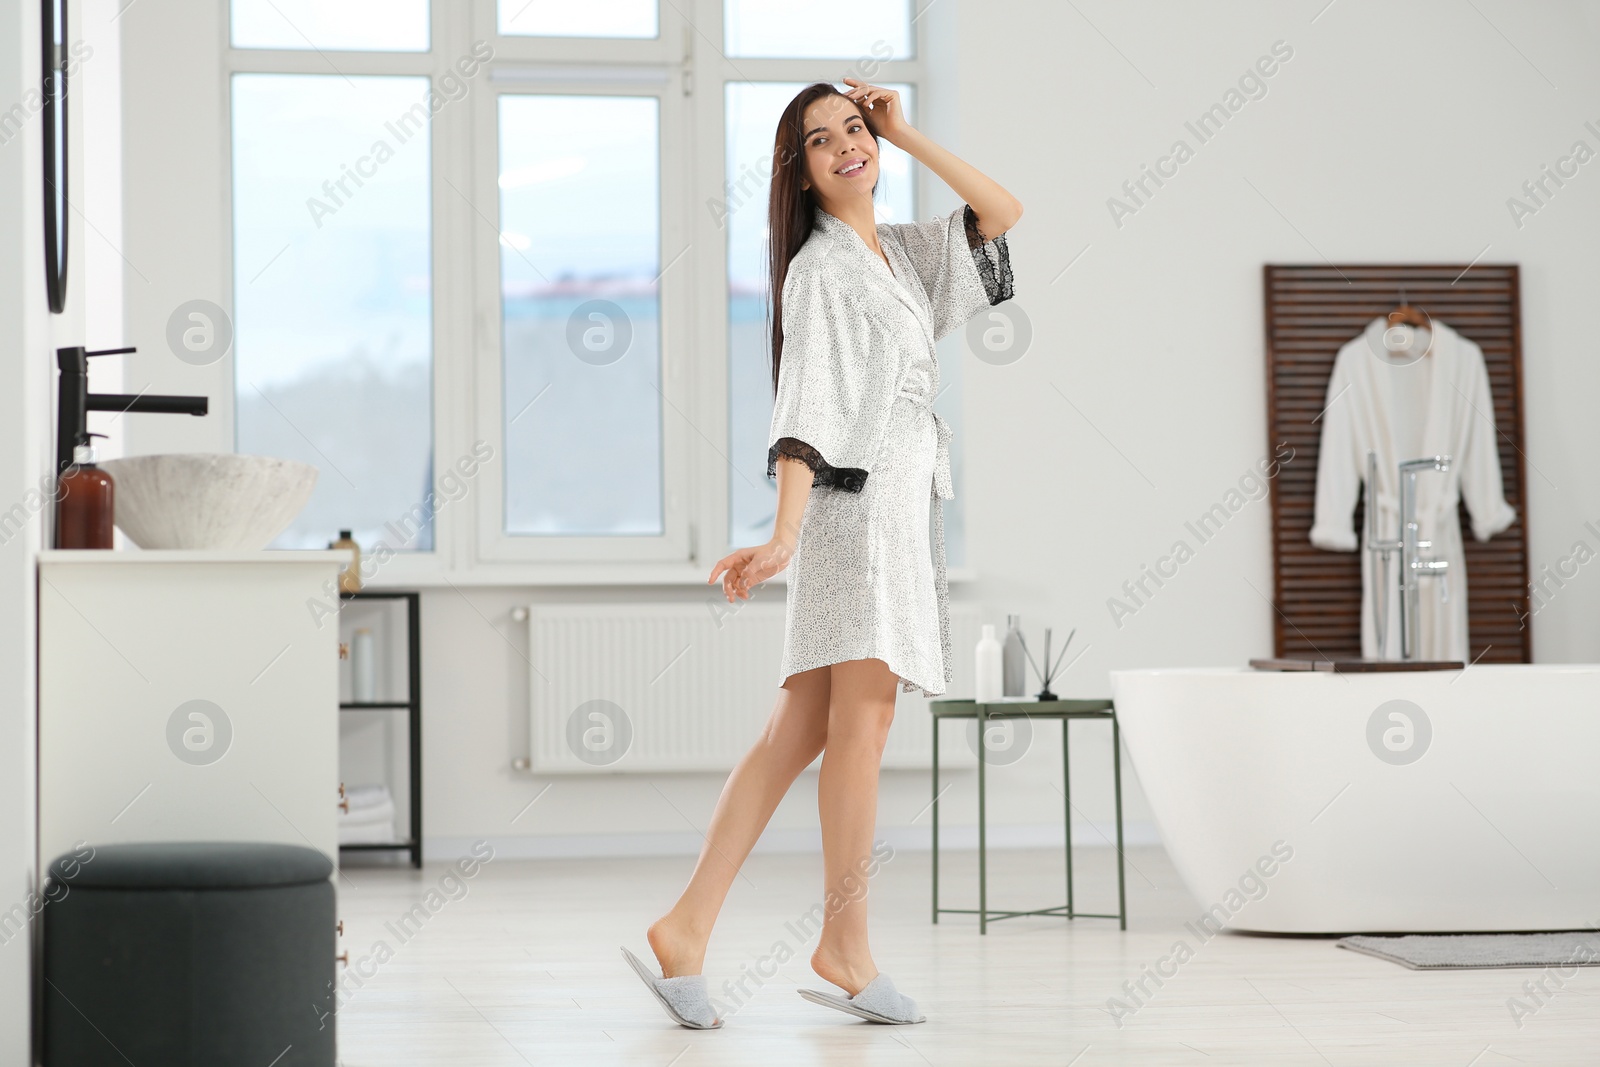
(996, 273)
(848, 479)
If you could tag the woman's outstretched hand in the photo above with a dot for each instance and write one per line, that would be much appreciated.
(744, 568)
(885, 113)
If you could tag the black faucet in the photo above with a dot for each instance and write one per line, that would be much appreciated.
(75, 401)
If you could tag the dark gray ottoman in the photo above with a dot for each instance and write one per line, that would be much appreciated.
(191, 954)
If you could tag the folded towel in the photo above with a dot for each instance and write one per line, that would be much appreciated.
(366, 816)
(367, 796)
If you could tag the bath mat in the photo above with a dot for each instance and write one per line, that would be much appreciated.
(1572, 948)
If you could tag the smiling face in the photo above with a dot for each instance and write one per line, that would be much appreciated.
(841, 155)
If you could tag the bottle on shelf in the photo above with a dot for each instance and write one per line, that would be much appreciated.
(350, 577)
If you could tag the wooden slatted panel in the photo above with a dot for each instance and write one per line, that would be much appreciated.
(1311, 311)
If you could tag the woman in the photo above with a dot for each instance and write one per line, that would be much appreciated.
(858, 455)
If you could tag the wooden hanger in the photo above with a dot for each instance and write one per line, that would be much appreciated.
(1408, 315)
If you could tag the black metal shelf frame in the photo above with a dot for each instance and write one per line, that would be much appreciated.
(412, 706)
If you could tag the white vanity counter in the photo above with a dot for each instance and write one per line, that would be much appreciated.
(147, 556)
(188, 696)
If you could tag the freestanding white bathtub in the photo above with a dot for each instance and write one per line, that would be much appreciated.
(1480, 813)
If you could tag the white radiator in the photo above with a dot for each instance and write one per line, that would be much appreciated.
(685, 687)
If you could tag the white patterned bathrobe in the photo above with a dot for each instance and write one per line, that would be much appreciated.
(856, 387)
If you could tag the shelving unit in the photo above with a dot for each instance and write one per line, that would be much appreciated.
(412, 705)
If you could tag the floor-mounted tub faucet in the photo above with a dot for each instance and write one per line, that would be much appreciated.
(1413, 565)
(1380, 551)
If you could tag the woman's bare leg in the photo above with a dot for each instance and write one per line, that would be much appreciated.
(791, 739)
(859, 714)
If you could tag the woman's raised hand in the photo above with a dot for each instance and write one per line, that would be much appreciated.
(744, 568)
(885, 113)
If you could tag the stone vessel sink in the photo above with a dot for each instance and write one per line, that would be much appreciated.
(205, 500)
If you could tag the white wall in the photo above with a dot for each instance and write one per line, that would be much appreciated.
(175, 166)
(1393, 132)
(21, 350)
(98, 97)
(29, 335)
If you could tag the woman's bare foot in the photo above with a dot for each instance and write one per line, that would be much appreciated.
(678, 950)
(850, 973)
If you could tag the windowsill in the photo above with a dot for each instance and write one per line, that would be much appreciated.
(414, 573)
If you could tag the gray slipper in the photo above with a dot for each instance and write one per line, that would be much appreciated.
(878, 1002)
(684, 997)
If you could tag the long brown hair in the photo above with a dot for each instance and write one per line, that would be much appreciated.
(789, 207)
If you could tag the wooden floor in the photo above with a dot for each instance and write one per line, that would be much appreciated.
(520, 965)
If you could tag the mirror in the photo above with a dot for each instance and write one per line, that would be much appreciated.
(53, 36)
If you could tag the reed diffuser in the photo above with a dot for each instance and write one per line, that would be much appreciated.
(1045, 677)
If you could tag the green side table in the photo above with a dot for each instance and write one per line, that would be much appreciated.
(1066, 711)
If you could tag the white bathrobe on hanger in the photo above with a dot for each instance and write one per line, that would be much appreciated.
(1403, 406)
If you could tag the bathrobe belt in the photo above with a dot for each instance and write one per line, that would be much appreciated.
(943, 432)
(942, 491)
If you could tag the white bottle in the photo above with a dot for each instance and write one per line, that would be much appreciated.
(363, 689)
(986, 686)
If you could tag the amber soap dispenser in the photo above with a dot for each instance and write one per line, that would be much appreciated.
(87, 495)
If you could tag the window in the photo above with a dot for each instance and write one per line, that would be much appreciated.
(591, 18)
(328, 26)
(828, 29)
(580, 314)
(526, 238)
(332, 296)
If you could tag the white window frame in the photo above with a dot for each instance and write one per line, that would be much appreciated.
(713, 72)
(528, 67)
(446, 136)
(685, 68)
